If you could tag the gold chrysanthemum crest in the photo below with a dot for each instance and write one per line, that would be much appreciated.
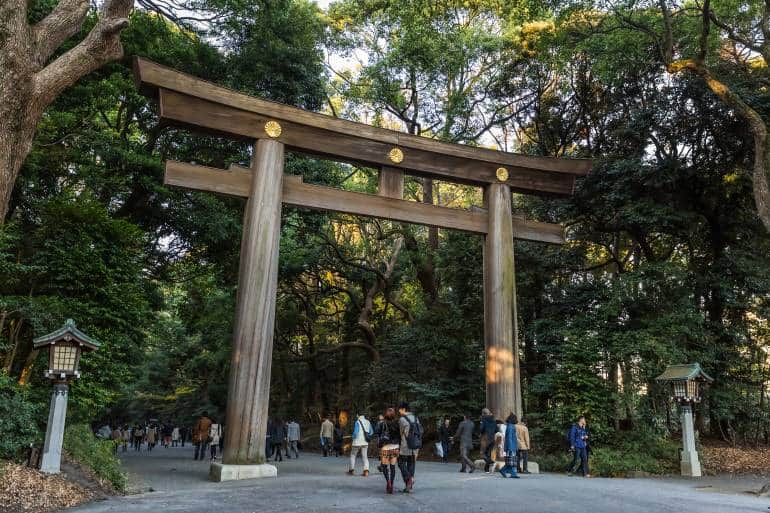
(396, 156)
(273, 129)
(502, 174)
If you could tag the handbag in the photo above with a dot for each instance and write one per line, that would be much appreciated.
(367, 435)
(439, 450)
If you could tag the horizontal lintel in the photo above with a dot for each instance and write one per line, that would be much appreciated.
(235, 114)
(237, 180)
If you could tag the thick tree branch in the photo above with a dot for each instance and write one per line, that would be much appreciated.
(101, 45)
(65, 21)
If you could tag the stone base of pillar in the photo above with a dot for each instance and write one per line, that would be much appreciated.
(222, 472)
(690, 464)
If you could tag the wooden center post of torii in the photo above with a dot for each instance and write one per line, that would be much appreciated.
(189, 101)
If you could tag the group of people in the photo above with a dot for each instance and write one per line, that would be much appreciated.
(281, 439)
(148, 434)
(208, 438)
(398, 435)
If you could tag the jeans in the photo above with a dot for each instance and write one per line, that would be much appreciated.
(583, 454)
(465, 461)
(293, 448)
(354, 451)
(523, 459)
(406, 465)
(325, 443)
(276, 450)
(200, 450)
(445, 450)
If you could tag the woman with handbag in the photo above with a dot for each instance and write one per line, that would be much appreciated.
(362, 433)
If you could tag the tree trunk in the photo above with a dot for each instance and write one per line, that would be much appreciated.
(29, 83)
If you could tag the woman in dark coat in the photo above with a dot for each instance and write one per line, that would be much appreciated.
(277, 434)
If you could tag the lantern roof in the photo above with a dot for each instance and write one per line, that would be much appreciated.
(67, 332)
(686, 372)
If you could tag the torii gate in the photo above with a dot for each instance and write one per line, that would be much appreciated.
(189, 101)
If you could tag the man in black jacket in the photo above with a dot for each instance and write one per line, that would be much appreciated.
(488, 427)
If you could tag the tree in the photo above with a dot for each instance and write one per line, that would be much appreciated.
(686, 41)
(32, 76)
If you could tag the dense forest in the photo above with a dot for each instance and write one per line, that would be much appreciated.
(667, 260)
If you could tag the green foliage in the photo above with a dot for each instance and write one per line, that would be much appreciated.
(98, 455)
(18, 419)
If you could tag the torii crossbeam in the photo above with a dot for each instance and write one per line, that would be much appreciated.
(189, 101)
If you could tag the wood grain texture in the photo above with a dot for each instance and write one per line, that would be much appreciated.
(249, 383)
(503, 385)
(210, 117)
(237, 180)
(390, 182)
(349, 141)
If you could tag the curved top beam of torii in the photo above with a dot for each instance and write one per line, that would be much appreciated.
(188, 100)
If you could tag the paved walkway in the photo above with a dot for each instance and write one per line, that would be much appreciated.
(316, 484)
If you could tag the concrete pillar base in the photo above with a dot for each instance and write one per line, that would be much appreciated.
(690, 465)
(222, 472)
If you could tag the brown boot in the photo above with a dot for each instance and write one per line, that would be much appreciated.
(366, 473)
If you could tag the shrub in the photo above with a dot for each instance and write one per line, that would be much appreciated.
(97, 454)
(18, 419)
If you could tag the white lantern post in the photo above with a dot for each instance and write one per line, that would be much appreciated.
(65, 347)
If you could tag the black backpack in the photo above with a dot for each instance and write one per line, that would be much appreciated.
(414, 438)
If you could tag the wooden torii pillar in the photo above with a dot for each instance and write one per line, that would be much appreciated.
(191, 102)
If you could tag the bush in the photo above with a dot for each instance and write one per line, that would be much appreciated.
(18, 420)
(97, 454)
(635, 451)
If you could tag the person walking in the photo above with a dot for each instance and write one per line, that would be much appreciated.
(117, 438)
(362, 434)
(175, 436)
(327, 435)
(411, 442)
(578, 440)
(339, 436)
(152, 437)
(201, 436)
(127, 436)
(510, 448)
(293, 434)
(167, 430)
(522, 441)
(488, 428)
(464, 434)
(389, 444)
(138, 437)
(443, 438)
(215, 434)
(277, 435)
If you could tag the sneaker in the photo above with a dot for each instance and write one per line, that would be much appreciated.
(502, 473)
(350, 472)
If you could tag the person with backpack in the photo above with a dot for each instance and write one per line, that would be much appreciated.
(411, 443)
(389, 443)
(362, 434)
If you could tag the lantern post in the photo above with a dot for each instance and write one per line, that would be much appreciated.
(686, 382)
(65, 346)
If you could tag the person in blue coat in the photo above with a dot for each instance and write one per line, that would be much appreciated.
(578, 441)
(510, 447)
